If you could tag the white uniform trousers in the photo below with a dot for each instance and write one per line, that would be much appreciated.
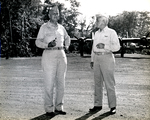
(54, 63)
(104, 73)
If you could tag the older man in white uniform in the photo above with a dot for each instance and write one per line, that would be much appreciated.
(53, 38)
(102, 59)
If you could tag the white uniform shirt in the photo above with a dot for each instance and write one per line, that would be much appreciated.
(48, 33)
(108, 37)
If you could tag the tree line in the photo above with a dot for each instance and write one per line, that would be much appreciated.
(21, 20)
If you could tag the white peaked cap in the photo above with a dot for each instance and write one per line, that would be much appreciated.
(102, 15)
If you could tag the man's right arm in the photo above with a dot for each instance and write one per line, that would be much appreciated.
(40, 39)
(92, 56)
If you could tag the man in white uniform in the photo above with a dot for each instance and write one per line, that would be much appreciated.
(53, 38)
(102, 60)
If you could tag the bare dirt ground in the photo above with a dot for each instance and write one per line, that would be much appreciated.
(21, 89)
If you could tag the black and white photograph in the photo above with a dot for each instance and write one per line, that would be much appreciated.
(75, 60)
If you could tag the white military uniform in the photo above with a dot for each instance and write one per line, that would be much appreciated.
(54, 64)
(104, 63)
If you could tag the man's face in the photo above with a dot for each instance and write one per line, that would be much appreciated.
(101, 23)
(54, 15)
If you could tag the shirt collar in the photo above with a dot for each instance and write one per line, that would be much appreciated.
(104, 29)
(49, 24)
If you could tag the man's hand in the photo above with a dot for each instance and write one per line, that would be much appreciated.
(66, 49)
(91, 64)
(100, 46)
(52, 43)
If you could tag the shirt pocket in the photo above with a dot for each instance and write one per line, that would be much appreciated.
(60, 34)
(105, 37)
(106, 41)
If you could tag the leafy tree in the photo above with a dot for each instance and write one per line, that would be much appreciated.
(135, 24)
(69, 17)
(19, 21)
(143, 23)
(82, 27)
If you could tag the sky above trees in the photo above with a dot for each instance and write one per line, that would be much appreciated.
(113, 7)
(89, 8)
(110, 7)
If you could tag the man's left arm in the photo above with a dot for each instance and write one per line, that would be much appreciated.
(66, 39)
(115, 44)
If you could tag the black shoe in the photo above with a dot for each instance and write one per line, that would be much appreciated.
(113, 110)
(60, 112)
(95, 109)
(50, 114)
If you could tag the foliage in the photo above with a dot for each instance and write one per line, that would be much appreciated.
(19, 21)
(131, 24)
(69, 17)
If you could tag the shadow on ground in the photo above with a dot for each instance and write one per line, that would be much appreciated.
(134, 57)
(42, 117)
(100, 117)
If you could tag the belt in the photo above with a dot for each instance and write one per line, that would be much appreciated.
(102, 53)
(54, 48)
